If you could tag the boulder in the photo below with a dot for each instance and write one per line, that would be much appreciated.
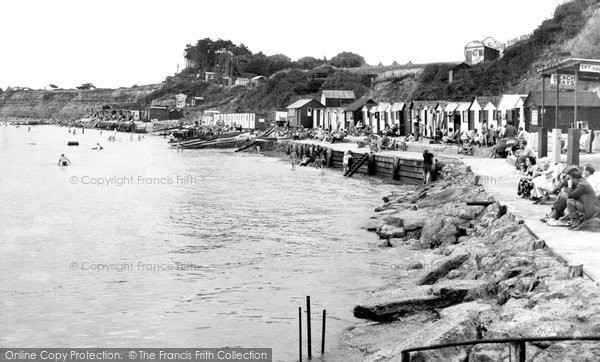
(386, 304)
(396, 242)
(448, 195)
(414, 223)
(469, 289)
(453, 274)
(394, 220)
(389, 232)
(390, 304)
(569, 351)
(514, 288)
(443, 266)
(384, 244)
(465, 309)
(415, 265)
(372, 225)
(455, 329)
(466, 214)
(438, 231)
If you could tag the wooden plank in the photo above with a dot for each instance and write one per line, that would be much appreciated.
(394, 168)
(410, 162)
(410, 174)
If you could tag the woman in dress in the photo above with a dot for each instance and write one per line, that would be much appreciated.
(526, 182)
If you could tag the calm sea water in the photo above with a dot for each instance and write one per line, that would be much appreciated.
(193, 248)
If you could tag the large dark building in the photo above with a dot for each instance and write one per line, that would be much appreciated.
(588, 110)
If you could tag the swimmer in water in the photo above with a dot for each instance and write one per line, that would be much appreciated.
(63, 160)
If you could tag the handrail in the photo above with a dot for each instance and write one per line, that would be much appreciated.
(522, 340)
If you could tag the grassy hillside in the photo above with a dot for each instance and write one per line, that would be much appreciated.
(573, 31)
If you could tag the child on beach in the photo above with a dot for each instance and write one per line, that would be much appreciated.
(346, 162)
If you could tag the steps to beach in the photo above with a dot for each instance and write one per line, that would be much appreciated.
(357, 165)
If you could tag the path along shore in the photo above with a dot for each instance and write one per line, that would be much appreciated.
(500, 180)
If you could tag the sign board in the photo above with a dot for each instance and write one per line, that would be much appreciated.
(565, 80)
(180, 100)
(534, 117)
(592, 68)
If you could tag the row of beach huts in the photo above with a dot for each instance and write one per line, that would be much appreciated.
(341, 109)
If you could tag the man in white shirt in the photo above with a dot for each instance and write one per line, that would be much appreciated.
(525, 153)
(524, 135)
(592, 178)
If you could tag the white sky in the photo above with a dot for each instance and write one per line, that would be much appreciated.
(119, 43)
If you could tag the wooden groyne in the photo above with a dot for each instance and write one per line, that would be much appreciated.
(407, 170)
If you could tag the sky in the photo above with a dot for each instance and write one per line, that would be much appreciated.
(120, 43)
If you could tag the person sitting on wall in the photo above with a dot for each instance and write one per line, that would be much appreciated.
(523, 135)
(438, 135)
(453, 136)
(544, 185)
(509, 131)
(473, 137)
(526, 182)
(560, 205)
(581, 204)
(526, 152)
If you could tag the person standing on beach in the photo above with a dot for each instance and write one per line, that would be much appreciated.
(346, 162)
(428, 162)
(63, 160)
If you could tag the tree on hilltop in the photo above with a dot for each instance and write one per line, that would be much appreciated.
(347, 60)
(86, 86)
(309, 62)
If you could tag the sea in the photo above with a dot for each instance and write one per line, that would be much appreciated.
(144, 245)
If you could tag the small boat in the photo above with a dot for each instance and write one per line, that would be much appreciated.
(221, 140)
(73, 143)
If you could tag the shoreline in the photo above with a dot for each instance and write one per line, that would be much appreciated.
(490, 280)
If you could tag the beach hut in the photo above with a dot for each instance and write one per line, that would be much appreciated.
(373, 118)
(411, 109)
(483, 111)
(508, 110)
(334, 118)
(452, 119)
(304, 112)
(383, 115)
(397, 112)
(440, 118)
(462, 110)
(354, 113)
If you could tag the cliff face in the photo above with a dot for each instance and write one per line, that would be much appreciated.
(70, 104)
